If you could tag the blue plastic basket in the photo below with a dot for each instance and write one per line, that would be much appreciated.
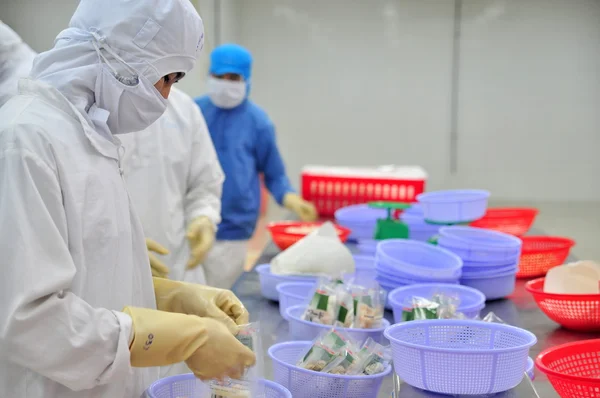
(460, 357)
(418, 259)
(479, 272)
(304, 383)
(418, 228)
(471, 303)
(269, 281)
(454, 206)
(367, 246)
(360, 219)
(480, 245)
(187, 385)
(294, 293)
(393, 275)
(305, 330)
(364, 267)
(493, 287)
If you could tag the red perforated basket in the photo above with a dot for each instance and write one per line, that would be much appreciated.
(284, 236)
(330, 192)
(541, 253)
(510, 220)
(572, 311)
(573, 369)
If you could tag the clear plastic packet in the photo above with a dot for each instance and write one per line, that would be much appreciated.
(375, 357)
(326, 348)
(419, 308)
(448, 305)
(369, 306)
(347, 363)
(493, 318)
(247, 386)
(344, 307)
(322, 306)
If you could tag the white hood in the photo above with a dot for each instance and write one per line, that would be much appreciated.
(156, 37)
(15, 61)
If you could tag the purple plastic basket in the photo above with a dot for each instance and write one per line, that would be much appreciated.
(304, 383)
(305, 330)
(418, 259)
(472, 300)
(454, 206)
(294, 293)
(493, 287)
(367, 246)
(418, 228)
(391, 275)
(187, 385)
(364, 267)
(269, 281)
(360, 219)
(478, 272)
(460, 357)
(481, 245)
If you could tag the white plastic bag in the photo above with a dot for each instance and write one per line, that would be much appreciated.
(319, 253)
(582, 277)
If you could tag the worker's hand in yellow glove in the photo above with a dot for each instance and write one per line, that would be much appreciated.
(207, 347)
(305, 210)
(201, 235)
(159, 269)
(190, 298)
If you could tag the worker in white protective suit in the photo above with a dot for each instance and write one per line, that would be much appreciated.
(16, 59)
(175, 180)
(80, 314)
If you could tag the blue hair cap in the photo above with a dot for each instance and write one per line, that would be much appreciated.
(231, 58)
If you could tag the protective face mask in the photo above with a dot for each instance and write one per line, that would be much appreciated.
(133, 102)
(226, 94)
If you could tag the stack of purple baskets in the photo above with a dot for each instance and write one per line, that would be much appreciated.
(402, 262)
(490, 259)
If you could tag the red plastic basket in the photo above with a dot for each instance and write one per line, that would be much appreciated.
(284, 238)
(572, 311)
(514, 221)
(541, 253)
(573, 369)
(332, 192)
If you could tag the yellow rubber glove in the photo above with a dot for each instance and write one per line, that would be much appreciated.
(306, 211)
(190, 298)
(159, 269)
(201, 235)
(164, 338)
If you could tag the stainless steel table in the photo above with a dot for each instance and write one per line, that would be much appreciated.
(520, 310)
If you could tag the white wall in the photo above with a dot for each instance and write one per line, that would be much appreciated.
(369, 82)
(366, 83)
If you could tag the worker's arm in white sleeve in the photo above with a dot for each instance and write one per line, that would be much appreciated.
(43, 325)
(205, 178)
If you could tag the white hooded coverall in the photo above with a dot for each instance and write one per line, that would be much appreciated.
(173, 176)
(16, 59)
(73, 250)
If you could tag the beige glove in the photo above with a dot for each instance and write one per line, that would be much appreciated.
(201, 235)
(306, 211)
(189, 298)
(159, 269)
(209, 350)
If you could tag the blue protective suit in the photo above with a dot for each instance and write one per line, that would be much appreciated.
(244, 138)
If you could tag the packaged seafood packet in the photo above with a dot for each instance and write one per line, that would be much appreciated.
(322, 306)
(375, 357)
(344, 311)
(369, 306)
(448, 305)
(247, 386)
(419, 308)
(348, 363)
(326, 348)
(493, 318)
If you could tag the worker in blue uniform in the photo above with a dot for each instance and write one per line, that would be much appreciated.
(244, 138)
